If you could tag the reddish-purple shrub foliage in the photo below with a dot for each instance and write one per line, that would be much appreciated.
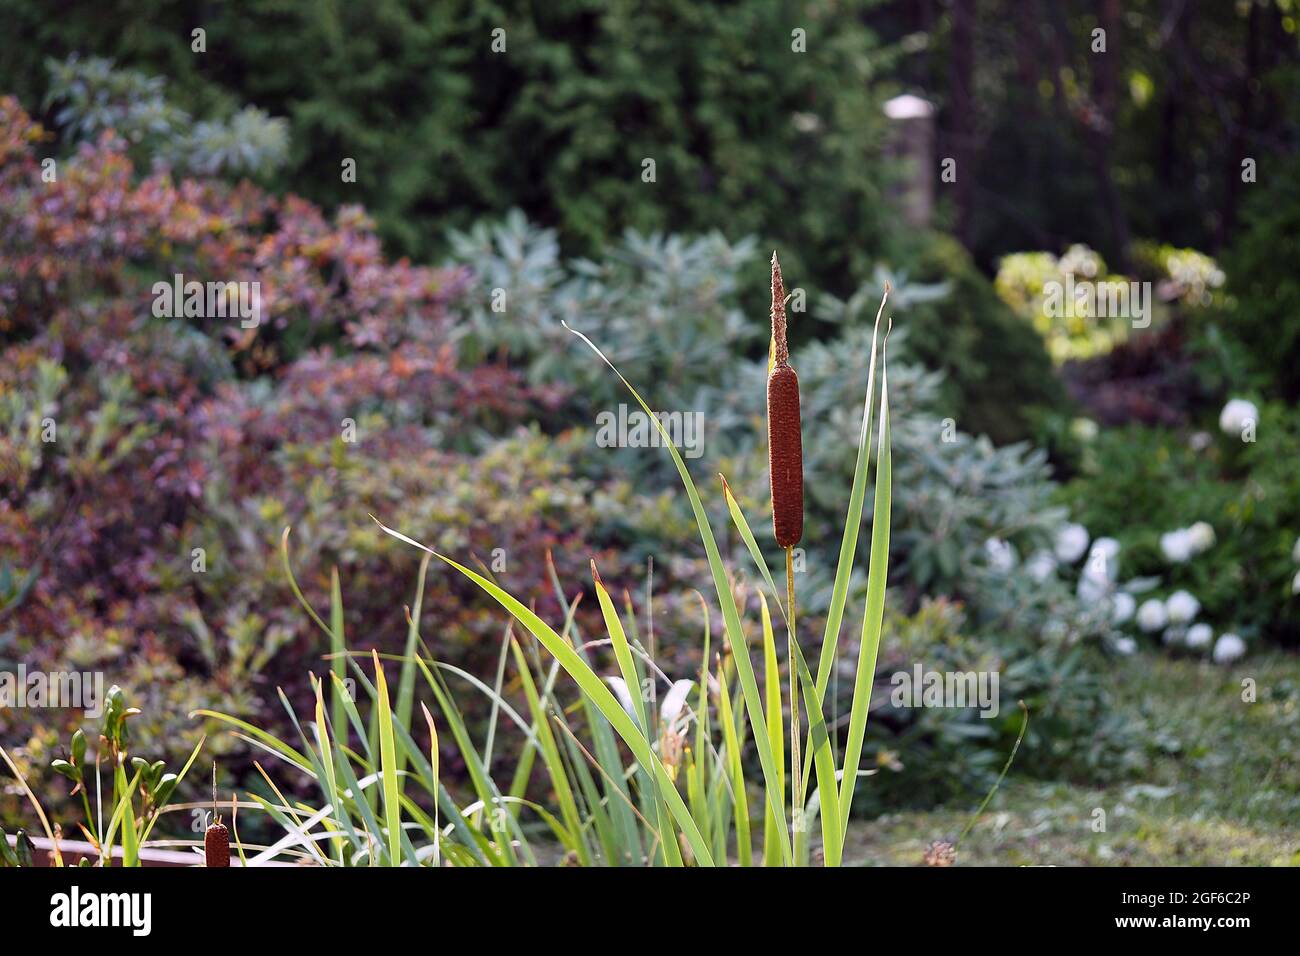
(148, 465)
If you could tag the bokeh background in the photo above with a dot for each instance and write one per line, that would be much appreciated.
(424, 191)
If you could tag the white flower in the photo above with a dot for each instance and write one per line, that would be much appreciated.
(1103, 560)
(1199, 636)
(1295, 551)
(1235, 415)
(1126, 646)
(1177, 546)
(1072, 542)
(1094, 583)
(1084, 429)
(1001, 555)
(1151, 616)
(1174, 636)
(619, 687)
(1123, 607)
(1228, 648)
(1201, 536)
(1041, 566)
(1091, 591)
(1108, 547)
(1295, 583)
(1182, 607)
(674, 701)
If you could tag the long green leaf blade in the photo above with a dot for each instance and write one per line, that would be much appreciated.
(388, 764)
(873, 616)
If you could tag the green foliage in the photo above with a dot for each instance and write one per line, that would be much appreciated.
(1038, 284)
(964, 491)
(139, 793)
(1215, 787)
(445, 129)
(668, 302)
(93, 97)
(1140, 483)
(1264, 282)
(999, 378)
(929, 755)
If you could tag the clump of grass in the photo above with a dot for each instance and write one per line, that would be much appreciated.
(124, 814)
(632, 784)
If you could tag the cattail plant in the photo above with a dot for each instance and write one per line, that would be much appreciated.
(785, 462)
(631, 794)
(216, 840)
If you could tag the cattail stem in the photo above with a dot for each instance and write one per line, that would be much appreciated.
(796, 767)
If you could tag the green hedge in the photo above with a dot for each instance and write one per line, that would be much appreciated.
(743, 130)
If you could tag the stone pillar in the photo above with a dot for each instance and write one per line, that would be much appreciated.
(911, 142)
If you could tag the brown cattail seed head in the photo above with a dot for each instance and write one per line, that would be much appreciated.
(784, 433)
(216, 845)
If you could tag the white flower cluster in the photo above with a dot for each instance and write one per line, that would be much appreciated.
(1176, 617)
(1185, 543)
(1237, 415)
(1173, 618)
(1228, 648)
(1001, 555)
(1100, 570)
(1071, 543)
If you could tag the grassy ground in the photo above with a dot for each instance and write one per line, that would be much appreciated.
(1222, 788)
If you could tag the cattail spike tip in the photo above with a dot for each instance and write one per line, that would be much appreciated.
(781, 351)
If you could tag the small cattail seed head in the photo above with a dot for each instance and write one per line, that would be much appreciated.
(216, 845)
(784, 430)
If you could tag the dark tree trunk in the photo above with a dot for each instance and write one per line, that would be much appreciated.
(1101, 126)
(1237, 143)
(961, 104)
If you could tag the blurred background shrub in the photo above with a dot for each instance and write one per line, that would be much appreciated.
(1265, 286)
(436, 117)
(90, 97)
(1246, 491)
